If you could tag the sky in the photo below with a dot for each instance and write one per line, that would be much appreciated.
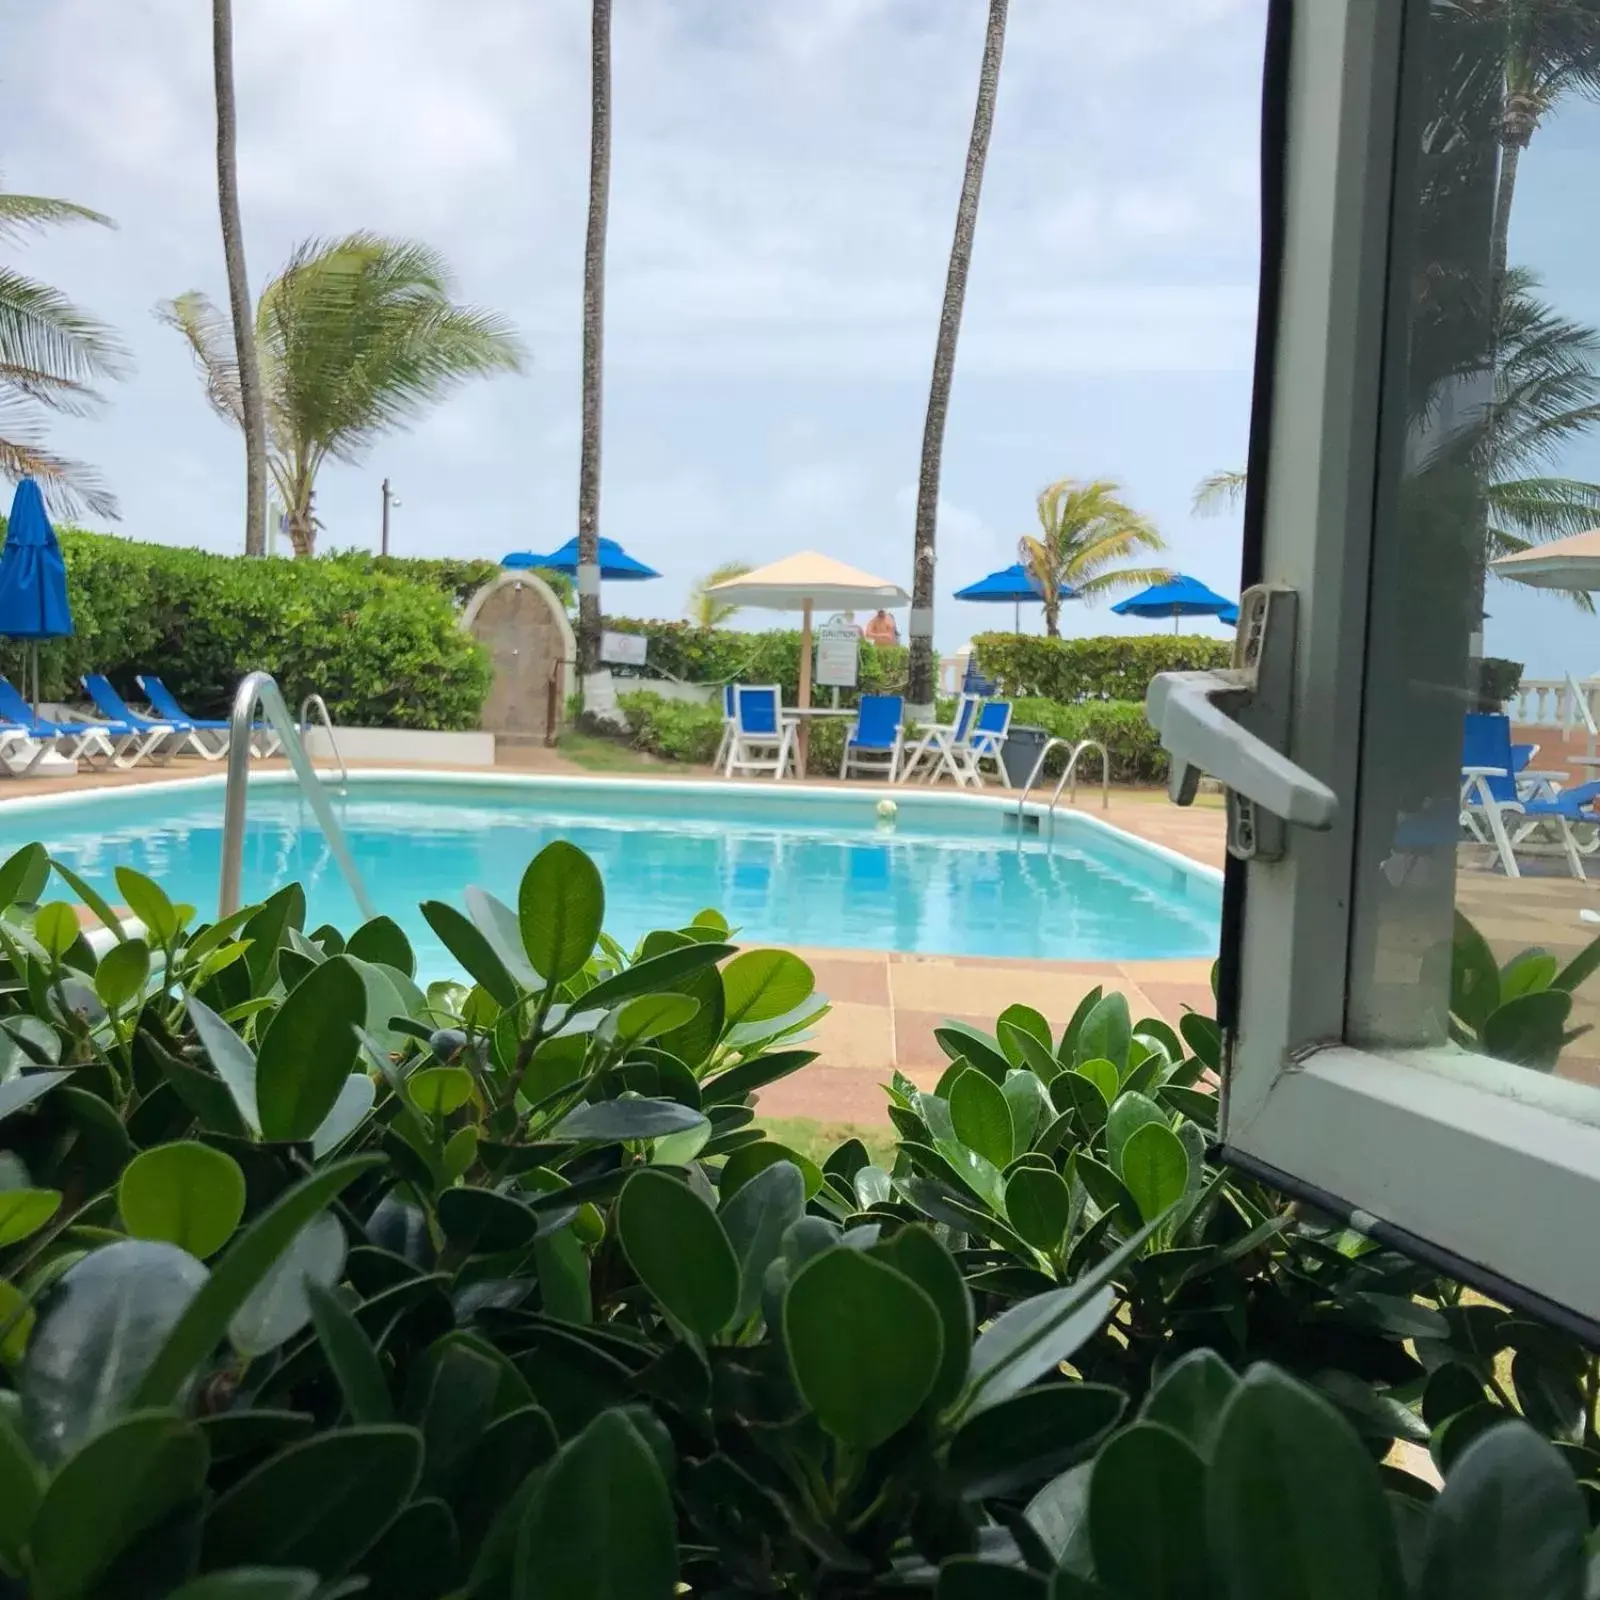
(784, 185)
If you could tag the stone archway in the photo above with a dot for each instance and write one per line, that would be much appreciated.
(520, 622)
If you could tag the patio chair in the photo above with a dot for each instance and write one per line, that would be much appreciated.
(728, 692)
(1492, 790)
(937, 743)
(152, 734)
(74, 740)
(985, 743)
(763, 738)
(165, 705)
(873, 744)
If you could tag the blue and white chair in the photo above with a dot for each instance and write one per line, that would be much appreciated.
(937, 745)
(763, 738)
(1493, 790)
(728, 692)
(873, 743)
(77, 741)
(153, 734)
(164, 703)
(985, 742)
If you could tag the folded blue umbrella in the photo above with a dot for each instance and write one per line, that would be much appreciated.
(33, 577)
(616, 565)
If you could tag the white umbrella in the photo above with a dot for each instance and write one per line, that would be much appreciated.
(1570, 563)
(802, 583)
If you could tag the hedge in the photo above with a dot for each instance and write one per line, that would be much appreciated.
(1110, 668)
(381, 641)
(718, 655)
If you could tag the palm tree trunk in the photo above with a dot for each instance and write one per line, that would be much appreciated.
(1500, 230)
(594, 303)
(244, 338)
(920, 687)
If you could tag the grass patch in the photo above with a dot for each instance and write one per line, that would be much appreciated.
(594, 754)
(818, 1140)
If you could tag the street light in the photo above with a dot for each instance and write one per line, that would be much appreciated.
(389, 499)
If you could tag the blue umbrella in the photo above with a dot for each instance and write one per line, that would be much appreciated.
(1180, 597)
(1010, 584)
(616, 565)
(1230, 616)
(33, 578)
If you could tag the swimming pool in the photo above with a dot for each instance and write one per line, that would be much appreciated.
(951, 875)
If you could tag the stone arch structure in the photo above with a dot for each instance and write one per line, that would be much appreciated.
(517, 618)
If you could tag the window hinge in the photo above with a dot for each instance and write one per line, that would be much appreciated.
(1233, 725)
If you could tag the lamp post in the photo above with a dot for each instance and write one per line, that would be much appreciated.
(389, 499)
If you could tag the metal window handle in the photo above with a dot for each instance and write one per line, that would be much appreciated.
(1233, 725)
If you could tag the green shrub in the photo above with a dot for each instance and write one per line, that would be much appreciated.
(1121, 726)
(382, 647)
(1111, 668)
(499, 1290)
(678, 730)
(461, 578)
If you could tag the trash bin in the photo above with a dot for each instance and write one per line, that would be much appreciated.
(1020, 751)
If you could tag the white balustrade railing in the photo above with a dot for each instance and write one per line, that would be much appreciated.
(1557, 703)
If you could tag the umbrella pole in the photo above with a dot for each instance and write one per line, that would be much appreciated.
(33, 650)
(803, 739)
(1016, 617)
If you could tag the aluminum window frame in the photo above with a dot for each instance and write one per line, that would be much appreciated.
(1497, 1186)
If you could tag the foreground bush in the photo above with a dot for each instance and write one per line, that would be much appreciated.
(1111, 668)
(311, 1277)
(381, 641)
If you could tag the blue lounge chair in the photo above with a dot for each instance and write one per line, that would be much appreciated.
(873, 743)
(1493, 788)
(938, 742)
(763, 738)
(154, 734)
(74, 740)
(165, 705)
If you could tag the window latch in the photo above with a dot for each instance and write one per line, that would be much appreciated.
(1233, 725)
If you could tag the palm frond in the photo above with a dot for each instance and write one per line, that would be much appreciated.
(69, 487)
(1104, 583)
(704, 609)
(1218, 492)
(42, 332)
(209, 335)
(22, 214)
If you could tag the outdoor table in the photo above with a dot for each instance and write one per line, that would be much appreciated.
(805, 716)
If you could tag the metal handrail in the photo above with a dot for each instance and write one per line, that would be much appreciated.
(1068, 773)
(259, 691)
(1038, 767)
(316, 702)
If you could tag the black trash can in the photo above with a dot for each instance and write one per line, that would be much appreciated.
(1021, 751)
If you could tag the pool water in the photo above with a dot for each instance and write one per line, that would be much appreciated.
(945, 877)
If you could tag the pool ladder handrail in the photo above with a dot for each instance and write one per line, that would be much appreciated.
(1069, 774)
(315, 702)
(259, 691)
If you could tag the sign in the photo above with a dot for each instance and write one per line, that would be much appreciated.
(623, 649)
(838, 655)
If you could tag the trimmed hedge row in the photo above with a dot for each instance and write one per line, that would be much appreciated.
(718, 655)
(1108, 668)
(380, 640)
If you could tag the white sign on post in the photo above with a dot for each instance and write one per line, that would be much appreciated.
(623, 649)
(838, 655)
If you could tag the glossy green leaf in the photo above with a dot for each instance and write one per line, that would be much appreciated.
(762, 984)
(982, 1118)
(383, 941)
(915, 1252)
(308, 1050)
(1083, 1094)
(665, 971)
(56, 928)
(476, 955)
(120, 1483)
(1294, 1505)
(1031, 1436)
(98, 1335)
(186, 1193)
(674, 1242)
(17, 1093)
(1191, 1398)
(1106, 1033)
(277, 1308)
(748, 1160)
(1474, 975)
(755, 1221)
(241, 1267)
(232, 1059)
(1203, 1037)
(252, 1583)
(625, 1118)
(439, 1090)
(350, 1110)
(959, 1040)
(24, 875)
(1038, 1206)
(726, 1088)
(1155, 1168)
(1527, 972)
(561, 1266)
(1030, 1105)
(350, 1356)
(25, 1211)
(865, 1345)
(21, 1489)
(148, 901)
(600, 1525)
(648, 1016)
(319, 1504)
(1108, 1191)
(1528, 1030)
(1128, 1112)
(1025, 1020)
(483, 1222)
(120, 977)
(1510, 1524)
(560, 907)
(1147, 1517)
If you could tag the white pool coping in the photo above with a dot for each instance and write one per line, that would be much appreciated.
(558, 783)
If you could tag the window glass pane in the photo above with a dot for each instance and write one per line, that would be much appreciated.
(1490, 429)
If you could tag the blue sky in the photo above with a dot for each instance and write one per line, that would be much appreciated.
(784, 184)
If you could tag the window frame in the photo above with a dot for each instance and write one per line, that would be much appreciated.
(1496, 1185)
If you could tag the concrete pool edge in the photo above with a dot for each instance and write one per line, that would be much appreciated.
(805, 793)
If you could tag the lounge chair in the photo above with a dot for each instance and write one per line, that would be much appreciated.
(873, 743)
(1492, 790)
(728, 691)
(74, 740)
(152, 734)
(985, 743)
(937, 743)
(763, 738)
(165, 705)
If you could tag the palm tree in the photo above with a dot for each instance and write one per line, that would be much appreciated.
(254, 416)
(51, 355)
(919, 689)
(355, 337)
(594, 320)
(1218, 491)
(704, 609)
(1086, 531)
